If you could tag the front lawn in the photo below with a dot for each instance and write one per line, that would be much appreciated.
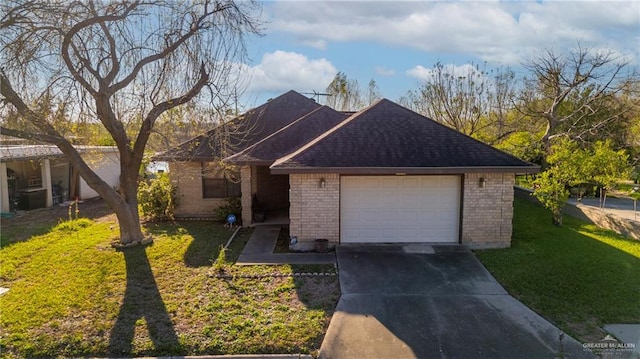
(578, 276)
(71, 294)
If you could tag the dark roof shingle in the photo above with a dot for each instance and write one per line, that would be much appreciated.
(289, 138)
(388, 138)
(243, 131)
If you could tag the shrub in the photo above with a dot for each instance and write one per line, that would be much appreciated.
(157, 197)
(232, 205)
(73, 225)
(220, 264)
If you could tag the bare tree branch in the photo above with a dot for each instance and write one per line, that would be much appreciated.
(123, 64)
(573, 92)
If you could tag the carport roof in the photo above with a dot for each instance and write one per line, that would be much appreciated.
(388, 138)
(38, 152)
(289, 138)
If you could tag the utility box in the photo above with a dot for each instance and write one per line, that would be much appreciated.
(33, 198)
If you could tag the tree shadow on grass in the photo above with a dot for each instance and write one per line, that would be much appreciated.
(206, 242)
(208, 237)
(142, 305)
(318, 293)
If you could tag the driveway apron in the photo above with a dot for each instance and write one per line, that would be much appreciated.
(420, 301)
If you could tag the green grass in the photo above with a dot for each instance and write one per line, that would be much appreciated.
(578, 276)
(71, 294)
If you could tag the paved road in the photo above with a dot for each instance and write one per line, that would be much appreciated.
(420, 301)
(621, 207)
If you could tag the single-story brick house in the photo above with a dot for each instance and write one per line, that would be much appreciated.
(383, 174)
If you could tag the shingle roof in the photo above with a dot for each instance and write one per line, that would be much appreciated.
(289, 138)
(243, 131)
(388, 138)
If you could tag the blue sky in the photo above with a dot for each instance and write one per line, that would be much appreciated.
(395, 43)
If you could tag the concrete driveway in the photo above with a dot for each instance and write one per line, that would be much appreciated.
(419, 301)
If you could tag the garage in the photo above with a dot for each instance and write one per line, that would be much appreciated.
(399, 209)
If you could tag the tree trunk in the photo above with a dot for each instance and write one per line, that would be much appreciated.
(129, 223)
(127, 213)
(556, 218)
(124, 203)
(603, 196)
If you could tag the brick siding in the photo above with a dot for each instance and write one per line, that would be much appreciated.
(187, 176)
(487, 212)
(314, 211)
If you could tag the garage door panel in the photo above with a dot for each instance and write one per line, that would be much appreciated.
(399, 209)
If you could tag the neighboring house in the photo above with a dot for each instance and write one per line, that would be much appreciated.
(384, 174)
(36, 176)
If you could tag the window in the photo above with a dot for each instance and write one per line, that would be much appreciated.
(216, 185)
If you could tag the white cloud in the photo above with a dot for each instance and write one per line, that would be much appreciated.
(498, 32)
(422, 73)
(319, 44)
(419, 72)
(383, 71)
(282, 71)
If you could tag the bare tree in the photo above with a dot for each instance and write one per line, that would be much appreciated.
(123, 64)
(576, 93)
(344, 93)
(373, 93)
(466, 98)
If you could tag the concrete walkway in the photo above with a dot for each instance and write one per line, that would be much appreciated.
(259, 251)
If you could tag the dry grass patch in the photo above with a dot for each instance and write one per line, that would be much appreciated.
(71, 295)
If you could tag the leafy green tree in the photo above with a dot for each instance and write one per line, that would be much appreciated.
(524, 145)
(607, 166)
(570, 165)
(552, 193)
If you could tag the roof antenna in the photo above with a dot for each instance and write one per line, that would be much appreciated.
(316, 95)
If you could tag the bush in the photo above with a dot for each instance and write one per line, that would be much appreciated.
(220, 264)
(73, 225)
(157, 198)
(232, 205)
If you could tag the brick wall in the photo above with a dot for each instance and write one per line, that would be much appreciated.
(487, 212)
(188, 179)
(314, 211)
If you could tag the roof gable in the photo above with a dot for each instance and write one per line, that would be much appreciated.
(391, 138)
(290, 138)
(244, 130)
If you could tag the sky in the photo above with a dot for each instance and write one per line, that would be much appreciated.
(306, 43)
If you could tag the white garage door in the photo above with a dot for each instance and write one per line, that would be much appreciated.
(386, 209)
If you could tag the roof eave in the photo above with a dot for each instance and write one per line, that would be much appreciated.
(182, 159)
(31, 158)
(406, 170)
(248, 162)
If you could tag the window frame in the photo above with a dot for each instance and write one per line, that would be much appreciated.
(227, 188)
